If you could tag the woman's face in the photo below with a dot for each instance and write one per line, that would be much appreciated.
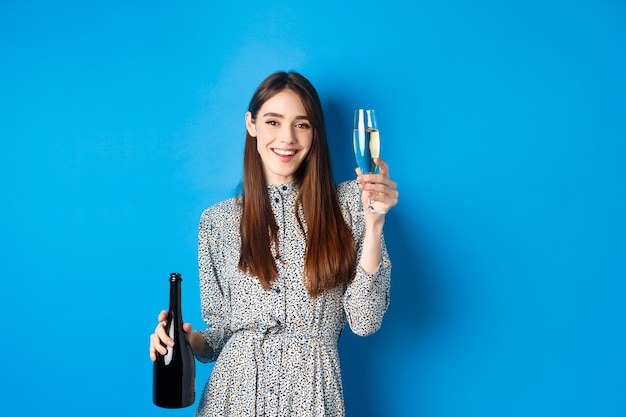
(283, 136)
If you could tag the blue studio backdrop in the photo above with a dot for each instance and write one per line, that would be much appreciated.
(504, 125)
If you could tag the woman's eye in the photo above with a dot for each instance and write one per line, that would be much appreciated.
(302, 126)
(272, 122)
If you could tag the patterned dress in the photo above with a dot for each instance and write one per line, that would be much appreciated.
(276, 349)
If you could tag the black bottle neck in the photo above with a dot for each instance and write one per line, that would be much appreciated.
(175, 294)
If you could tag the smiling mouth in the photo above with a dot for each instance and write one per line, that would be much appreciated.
(284, 152)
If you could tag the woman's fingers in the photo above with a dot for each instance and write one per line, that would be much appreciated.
(379, 187)
(162, 315)
(380, 177)
(383, 168)
(156, 346)
(160, 337)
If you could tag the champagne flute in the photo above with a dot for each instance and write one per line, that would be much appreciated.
(366, 141)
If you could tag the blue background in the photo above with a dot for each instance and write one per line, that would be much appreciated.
(504, 126)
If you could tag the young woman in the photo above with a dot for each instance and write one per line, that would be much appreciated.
(286, 264)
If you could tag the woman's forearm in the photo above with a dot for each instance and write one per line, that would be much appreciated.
(371, 249)
(199, 345)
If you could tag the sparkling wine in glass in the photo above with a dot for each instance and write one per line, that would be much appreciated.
(366, 140)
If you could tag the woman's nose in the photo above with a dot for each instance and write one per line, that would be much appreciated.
(287, 135)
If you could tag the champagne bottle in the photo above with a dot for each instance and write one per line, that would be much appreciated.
(174, 379)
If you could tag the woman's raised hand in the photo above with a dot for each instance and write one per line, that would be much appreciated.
(378, 188)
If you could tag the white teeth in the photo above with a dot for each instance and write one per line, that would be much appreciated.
(284, 152)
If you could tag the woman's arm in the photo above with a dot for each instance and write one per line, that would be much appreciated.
(383, 194)
(208, 343)
(367, 297)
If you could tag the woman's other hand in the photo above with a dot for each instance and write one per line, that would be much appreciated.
(160, 336)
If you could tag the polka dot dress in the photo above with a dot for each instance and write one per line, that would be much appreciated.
(276, 349)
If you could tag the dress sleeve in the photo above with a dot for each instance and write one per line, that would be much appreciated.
(214, 291)
(366, 298)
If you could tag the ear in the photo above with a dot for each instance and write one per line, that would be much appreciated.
(250, 125)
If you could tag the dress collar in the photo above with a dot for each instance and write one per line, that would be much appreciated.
(283, 189)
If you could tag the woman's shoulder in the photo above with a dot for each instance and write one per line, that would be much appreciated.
(228, 209)
(349, 198)
(348, 190)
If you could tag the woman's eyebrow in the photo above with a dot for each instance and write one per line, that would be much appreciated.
(272, 114)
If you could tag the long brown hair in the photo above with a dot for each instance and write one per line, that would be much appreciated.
(330, 257)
